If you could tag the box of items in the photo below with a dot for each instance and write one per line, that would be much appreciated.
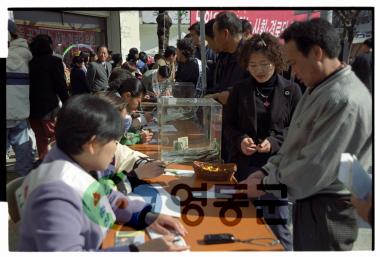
(189, 129)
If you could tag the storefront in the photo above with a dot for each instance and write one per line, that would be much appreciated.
(70, 32)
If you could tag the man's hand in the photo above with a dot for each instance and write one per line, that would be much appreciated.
(223, 97)
(252, 181)
(162, 244)
(259, 174)
(247, 146)
(264, 147)
(150, 169)
(164, 224)
(214, 96)
(362, 207)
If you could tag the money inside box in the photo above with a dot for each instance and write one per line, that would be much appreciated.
(190, 129)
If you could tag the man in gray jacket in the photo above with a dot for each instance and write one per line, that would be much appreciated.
(99, 72)
(334, 116)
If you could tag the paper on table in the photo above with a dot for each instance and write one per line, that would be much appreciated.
(163, 203)
(153, 234)
(352, 174)
(179, 240)
(153, 127)
(170, 205)
(178, 172)
(138, 199)
(124, 238)
(214, 193)
(169, 128)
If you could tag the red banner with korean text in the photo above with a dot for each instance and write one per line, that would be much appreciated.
(60, 37)
(272, 21)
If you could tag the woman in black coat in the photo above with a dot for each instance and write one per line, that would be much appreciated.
(78, 79)
(259, 110)
(47, 87)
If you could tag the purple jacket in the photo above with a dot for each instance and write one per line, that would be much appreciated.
(53, 216)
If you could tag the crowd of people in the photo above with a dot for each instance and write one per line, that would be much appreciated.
(276, 132)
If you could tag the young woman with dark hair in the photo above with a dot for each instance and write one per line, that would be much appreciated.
(78, 79)
(63, 208)
(154, 81)
(127, 161)
(132, 90)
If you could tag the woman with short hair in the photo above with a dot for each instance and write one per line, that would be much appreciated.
(258, 113)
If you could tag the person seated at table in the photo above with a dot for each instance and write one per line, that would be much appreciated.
(132, 137)
(132, 91)
(258, 113)
(128, 168)
(134, 163)
(117, 76)
(154, 82)
(62, 207)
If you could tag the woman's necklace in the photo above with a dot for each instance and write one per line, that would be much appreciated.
(265, 97)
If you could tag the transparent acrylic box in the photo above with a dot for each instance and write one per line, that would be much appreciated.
(183, 90)
(190, 129)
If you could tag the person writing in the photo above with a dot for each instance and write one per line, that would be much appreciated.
(62, 207)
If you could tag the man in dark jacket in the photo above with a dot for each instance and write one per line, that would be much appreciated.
(228, 37)
(362, 66)
(210, 55)
(47, 87)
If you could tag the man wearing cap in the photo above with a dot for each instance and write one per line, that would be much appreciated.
(17, 93)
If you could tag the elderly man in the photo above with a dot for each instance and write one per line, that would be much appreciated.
(99, 71)
(334, 116)
(227, 30)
